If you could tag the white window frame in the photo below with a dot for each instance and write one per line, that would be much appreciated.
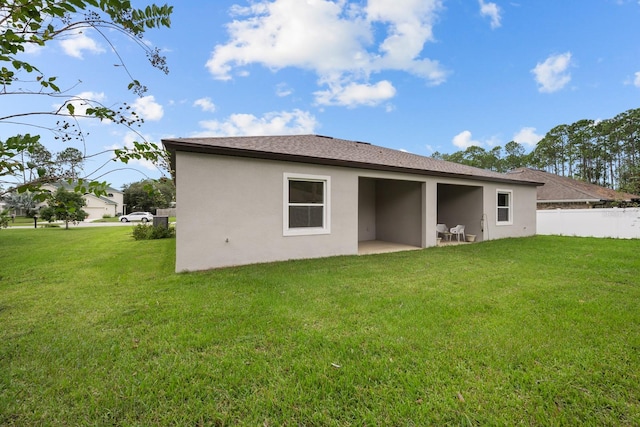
(326, 212)
(509, 207)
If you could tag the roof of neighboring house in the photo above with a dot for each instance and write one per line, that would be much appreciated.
(558, 188)
(71, 186)
(335, 152)
(106, 200)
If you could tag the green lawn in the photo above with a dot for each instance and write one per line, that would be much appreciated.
(21, 221)
(96, 329)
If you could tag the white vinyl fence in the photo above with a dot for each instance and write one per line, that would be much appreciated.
(622, 223)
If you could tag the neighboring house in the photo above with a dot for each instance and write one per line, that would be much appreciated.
(110, 204)
(245, 200)
(567, 193)
(566, 207)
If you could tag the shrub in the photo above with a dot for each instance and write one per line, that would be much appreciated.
(4, 219)
(150, 232)
(105, 216)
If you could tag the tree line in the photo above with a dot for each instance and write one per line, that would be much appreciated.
(602, 152)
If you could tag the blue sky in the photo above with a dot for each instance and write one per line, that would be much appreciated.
(415, 75)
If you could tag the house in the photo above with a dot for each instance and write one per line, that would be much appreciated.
(566, 207)
(245, 200)
(567, 193)
(97, 207)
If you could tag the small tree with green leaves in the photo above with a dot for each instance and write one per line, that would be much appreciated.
(64, 206)
(4, 218)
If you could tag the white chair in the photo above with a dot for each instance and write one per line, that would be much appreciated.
(458, 230)
(444, 230)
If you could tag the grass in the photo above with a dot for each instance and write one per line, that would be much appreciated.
(108, 219)
(96, 329)
(21, 221)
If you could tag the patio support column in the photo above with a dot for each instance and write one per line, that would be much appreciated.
(429, 213)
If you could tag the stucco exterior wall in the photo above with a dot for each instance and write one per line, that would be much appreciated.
(118, 198)
(230, 210)
(523, 212)
(462, 203)
(97, 208)
(399, 212)
(367, 210)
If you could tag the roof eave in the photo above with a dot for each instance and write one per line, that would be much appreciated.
(173, 147)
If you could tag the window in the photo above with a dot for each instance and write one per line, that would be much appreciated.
(504, 202)
(306, 205)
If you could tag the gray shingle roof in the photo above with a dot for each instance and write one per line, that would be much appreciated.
(332, 151)
(559, 188)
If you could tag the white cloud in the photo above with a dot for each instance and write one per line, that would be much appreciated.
(128, 141)
(335, 39)
(527, 136)
(84, 100)
(282, 33)
(636, 80)
(283, 89)
(353, 94)
(492, 11)
(464, 140)
(147, 108)
(33, 49)
(551, 75)
(274, 123)
(79, 42)
(205, 104)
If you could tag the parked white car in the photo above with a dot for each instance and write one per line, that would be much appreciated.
(137, 216)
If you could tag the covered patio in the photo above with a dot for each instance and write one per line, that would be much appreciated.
(370, 247)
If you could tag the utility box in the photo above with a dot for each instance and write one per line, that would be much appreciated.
(161, 221)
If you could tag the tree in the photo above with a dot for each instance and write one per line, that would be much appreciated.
(39, 163)
(64, 206)
(605, 152)
(4, 218)
(22, 203)
(515, 156)
(36, 23)
(69, 162)
(148, 195)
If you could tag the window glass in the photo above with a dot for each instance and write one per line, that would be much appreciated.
(503, 214)
(306, 205)
(504, 207)
(306, 192)
(306, 216)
